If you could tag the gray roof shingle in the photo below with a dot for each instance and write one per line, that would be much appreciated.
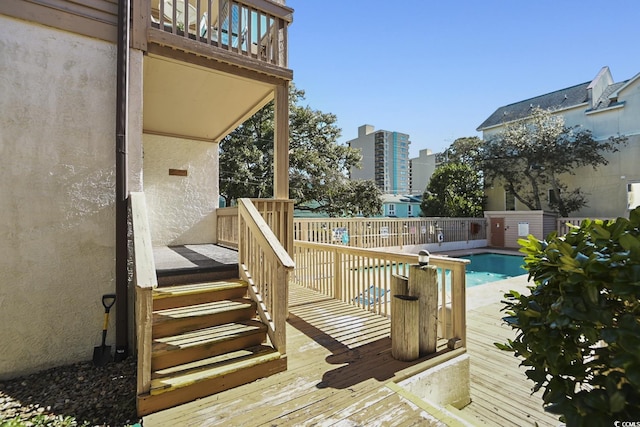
(604, 100)
(562, 98)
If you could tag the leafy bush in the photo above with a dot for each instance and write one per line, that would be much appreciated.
(579, 330)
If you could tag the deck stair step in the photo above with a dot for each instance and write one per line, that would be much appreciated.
(206, 338)
(184, 383)
(175, 321)
(202, 343)
(198, 293)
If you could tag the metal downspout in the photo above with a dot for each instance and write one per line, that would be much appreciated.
(122, 190)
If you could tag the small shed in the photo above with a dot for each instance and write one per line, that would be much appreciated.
(506, 227)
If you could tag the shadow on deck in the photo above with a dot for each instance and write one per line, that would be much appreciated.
(339, 362)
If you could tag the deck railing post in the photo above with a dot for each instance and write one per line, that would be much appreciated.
(423, 284)
(144, 320)
(404, 327)
(458, 307)
(338, 272)
(399, 286)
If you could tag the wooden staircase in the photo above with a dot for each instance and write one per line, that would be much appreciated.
(206, 339)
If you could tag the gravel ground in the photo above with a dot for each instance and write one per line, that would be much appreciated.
(73, 395)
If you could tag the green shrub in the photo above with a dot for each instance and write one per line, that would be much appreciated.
(579, 330)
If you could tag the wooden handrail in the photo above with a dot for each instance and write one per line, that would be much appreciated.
(440, 261)
(266, 237)
(265, 265)
(145, 281)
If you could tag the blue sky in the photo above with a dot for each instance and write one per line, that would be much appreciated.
(436, 70)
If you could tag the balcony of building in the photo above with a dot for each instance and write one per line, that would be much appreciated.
(208, 65)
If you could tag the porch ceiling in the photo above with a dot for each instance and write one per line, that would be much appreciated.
(194, 102)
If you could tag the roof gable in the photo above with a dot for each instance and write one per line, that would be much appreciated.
(624, 85)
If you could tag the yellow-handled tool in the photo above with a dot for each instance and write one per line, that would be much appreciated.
(102, 353)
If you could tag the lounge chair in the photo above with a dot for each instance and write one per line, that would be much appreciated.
(371, 296)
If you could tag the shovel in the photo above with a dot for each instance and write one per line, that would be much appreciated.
(102, 353)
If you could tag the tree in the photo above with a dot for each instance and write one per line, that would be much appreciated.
(246, 156)
(455, 190)
(578, 330)
(318, 165)
(464, 150)
(532, 154)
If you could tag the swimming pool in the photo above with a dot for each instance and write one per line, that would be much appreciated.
(486, 268)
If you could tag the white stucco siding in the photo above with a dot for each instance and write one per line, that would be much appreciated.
(57, 180)
(181, 208)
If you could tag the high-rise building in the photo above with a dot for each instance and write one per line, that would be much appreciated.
(420, 170)
(385, 159)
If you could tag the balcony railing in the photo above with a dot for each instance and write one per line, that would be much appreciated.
(253, 29)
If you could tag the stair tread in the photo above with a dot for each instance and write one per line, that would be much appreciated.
(197, 288)
(205, 369)
(206, 336)
(201, 309)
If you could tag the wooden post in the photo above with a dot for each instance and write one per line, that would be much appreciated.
(399, 286)
(423, 284)
(458, 307)
(338, 272)
(404, 327)
(281, 142)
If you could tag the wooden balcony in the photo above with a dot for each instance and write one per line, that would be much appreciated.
(251, 34)
(209, 65)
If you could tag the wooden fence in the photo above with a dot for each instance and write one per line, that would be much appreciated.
(385, 232)
(563, 224)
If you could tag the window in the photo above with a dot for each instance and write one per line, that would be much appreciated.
(633, 195)
(553, 200)
(392, 209)
(409, 210)
(509, 201)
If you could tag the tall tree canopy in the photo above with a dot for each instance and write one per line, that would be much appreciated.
(318, 165)
(455, 190)
(530, 156)
(464, 150)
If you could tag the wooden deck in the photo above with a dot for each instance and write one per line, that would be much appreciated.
(339, 365)
(500, 391)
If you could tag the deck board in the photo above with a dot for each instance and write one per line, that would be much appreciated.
(339, 361)
(500, 391)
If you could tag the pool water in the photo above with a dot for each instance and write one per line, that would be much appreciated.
(485, 268)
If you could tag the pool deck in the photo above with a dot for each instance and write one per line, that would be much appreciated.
(339, 368)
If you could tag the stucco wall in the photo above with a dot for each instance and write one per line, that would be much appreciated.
(181, 208)
(57, 180)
